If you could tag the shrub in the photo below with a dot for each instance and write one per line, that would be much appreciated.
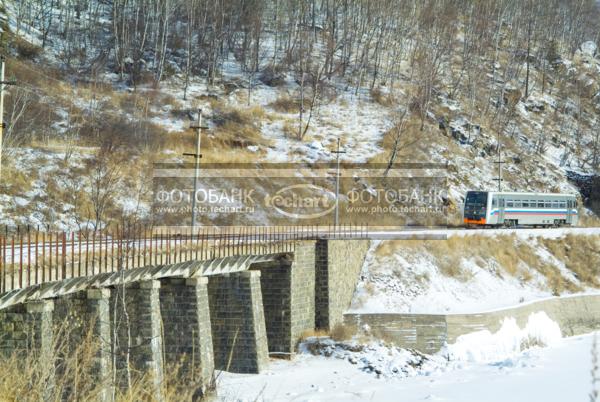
(287, 104)
(381, 98)
(25, 49)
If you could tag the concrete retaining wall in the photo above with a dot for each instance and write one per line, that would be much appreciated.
(428, 333)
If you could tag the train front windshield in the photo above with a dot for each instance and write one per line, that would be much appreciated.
(475, 205)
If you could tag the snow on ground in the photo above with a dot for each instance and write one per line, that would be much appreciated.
(359, 124)
(481, 367)
(521, 233)
(413, 284)
(50, 171)
(507, 343)
(40, 165)
(410, 280)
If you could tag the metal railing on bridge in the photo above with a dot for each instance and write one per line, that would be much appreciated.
(30, 257)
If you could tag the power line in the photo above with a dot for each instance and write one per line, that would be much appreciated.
(499, 162)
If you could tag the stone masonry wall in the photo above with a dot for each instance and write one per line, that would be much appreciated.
(29, 327)
(80, 316)
(303, 283)
(288, 294)
(428, 332)
(238, 322)
(275, 283)
(338, 265)
(186, 328)
(26, 326)
(138, 331)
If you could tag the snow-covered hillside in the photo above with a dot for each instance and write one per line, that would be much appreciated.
(300, 89)
(474, 273)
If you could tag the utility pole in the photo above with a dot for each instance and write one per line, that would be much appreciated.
(337, 180)
(2, 67)
(2, 125)
(499, 162)
(197, 155)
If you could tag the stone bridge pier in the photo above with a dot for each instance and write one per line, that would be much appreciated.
(196, 317)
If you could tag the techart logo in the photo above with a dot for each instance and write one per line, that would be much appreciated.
(302, 201)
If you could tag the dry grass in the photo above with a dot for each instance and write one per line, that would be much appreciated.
(287, 104)
(342, 332)
(413, 145)
(290, 128)
(588, 221)
(384, 99)
(515, 257)
(27, 376)
(14, 182)
(580, 254)
(237, 128)
(313, 333)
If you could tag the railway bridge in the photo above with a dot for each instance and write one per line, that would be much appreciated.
(204, 302)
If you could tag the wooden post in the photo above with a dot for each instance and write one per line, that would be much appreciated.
(79, 252)
(87, 252)
(72, 254)
(162, 254)
(12, 257)
(2, 267)
(21, 260)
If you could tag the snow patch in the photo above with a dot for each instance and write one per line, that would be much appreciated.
(507, 342)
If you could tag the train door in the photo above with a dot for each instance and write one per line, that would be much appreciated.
(501, 204)
(569, 220)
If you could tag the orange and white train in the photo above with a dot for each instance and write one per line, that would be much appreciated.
(491, 208)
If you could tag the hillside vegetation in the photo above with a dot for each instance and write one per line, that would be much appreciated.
(473, 273)
(107, 88)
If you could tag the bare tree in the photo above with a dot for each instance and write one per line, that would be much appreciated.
(401, 141)
(104, 177)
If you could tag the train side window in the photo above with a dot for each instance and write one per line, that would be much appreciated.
(525, 204)
(540, 204)
(494, 202)
(554, 204)
(510, 204)
(548, 204)
(563, 204)
(518, 204)
(502, 203)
